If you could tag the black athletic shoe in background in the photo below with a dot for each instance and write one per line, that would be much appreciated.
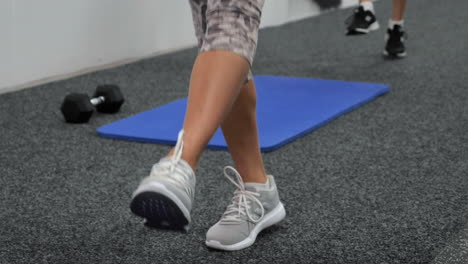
(395, 46)
(361, 22)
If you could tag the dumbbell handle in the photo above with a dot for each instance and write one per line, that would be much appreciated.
(97, 100)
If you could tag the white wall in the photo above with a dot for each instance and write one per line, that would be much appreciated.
(56, 37)
(48, 39)
(5, 44)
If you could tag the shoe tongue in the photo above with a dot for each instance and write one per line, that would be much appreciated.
(165, 159)
(181, 163)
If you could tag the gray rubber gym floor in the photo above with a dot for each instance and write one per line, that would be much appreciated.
(386, 183)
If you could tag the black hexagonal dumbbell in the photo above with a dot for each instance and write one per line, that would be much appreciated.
(78, 108)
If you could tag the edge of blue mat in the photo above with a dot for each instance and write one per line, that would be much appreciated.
(385, 90)
(339, 114)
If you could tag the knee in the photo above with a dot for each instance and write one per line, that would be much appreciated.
(248, 96)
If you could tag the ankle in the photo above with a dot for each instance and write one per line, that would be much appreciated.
(392, 23)
(193, 162)
(255, 178)
(257, 181)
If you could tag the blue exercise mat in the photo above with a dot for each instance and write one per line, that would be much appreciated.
(287, 108)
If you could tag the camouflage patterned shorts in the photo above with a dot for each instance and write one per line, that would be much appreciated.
(228, 25)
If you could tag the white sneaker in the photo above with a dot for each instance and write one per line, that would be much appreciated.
(253, 208)
(165, 197)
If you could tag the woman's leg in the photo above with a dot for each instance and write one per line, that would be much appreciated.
(217, 78)
(241, 134)
(227, 34)
(255, 204)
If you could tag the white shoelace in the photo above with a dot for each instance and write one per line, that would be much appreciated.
(167, 167)
(240, 203)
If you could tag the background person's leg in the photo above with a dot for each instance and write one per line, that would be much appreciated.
(363, 19)
(396, 36)
(398, 10)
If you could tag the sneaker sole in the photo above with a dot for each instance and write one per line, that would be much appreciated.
(394, 55)
(274, 217)
(361, 31)
(160, 207)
